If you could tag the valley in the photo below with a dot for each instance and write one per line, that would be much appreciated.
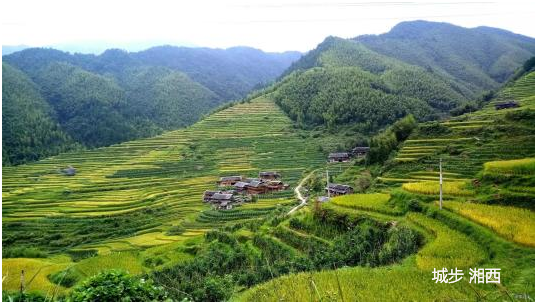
(353, 134)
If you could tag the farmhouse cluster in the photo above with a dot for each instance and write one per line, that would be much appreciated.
(342, 157)
(235, 190)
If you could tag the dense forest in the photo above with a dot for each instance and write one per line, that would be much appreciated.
(84, 100)
(478, 58)
(29, 131)
(426, 69)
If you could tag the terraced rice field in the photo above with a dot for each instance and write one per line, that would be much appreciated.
(514, 224)
(127, 196)
(433, 188)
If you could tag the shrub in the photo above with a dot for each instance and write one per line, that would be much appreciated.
(115, 286)
(66, 278)
(22, 252)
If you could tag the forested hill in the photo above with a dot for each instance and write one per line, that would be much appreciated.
(29, 130)
(84, 100)
(421, 68)
(230, 73)
(478, 58)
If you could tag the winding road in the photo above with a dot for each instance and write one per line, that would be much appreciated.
(303, 200)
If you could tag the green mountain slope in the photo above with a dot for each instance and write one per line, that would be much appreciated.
(478, 59)
(89, 106)
(420, 68)
(29, 128)
(327, 88)
(230, 73)
(169, 99)
(119, 96)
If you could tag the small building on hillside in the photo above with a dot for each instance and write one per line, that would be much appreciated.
(339, 157)
(276, 185)
(256, 187)
(69, 171)
(359, 151)
(338, 189)
(269, 175)
(227, 181)
(506, 105)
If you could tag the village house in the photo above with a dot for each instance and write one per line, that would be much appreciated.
(228, 181)
(256, 187)
(507, 105)
(241, 186)
(338, 189)
(339, 157)
(222, 200)
(276, 185)
(269, 175)
(359, 151)
(207, 195)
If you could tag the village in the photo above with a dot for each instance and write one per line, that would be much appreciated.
(235, 190)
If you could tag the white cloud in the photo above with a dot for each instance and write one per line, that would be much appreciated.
(275, 25)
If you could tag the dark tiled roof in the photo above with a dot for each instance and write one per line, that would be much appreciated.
(339, 187)
(230, 178)
(222, 196)
(338, 155)
(256, 183)
(268, 173)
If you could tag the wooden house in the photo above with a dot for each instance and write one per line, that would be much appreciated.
(241, 186)
(269, 175)
(276, 185)
(359, 151)
(222, 200)
(339, 157)
(507, 105)
(227, 181)
(256, 187)
(338, 189)
(207, 195)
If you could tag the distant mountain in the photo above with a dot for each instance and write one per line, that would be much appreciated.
(99, 100)
(421, 68)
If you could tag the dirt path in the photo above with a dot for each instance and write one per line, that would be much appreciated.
(302, 199)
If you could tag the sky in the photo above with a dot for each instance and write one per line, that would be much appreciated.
(270, 25)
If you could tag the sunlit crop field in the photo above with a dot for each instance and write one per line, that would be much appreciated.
(449, 248)
(433, 188)
(514, 224)
(511, 167)
(358, 285)
(371, 202)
